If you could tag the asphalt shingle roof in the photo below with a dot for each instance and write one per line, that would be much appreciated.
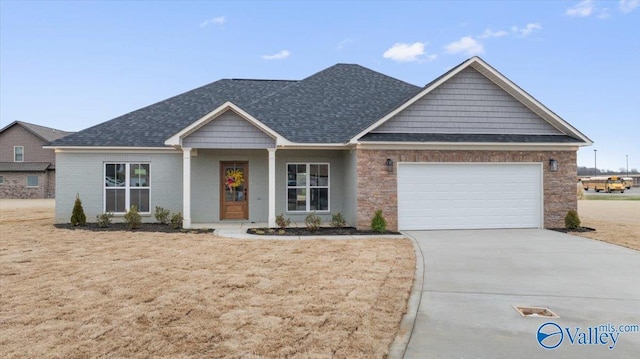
(330, 106)
(24, 166)
(152, 125)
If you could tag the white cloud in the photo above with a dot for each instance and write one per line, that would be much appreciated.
(581, 9)
(279, 56)
(490, 33)
(408, 53)
(527, 29)
(216, 21)
(466, 45)
(627, 6)
(342, 44)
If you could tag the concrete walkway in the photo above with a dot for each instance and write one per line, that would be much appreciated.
(473, 278)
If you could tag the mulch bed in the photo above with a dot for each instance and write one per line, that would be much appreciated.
(144, 227)
(566, 230)
(322, 231)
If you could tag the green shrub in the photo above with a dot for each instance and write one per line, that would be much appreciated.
(571, 220)
(337, 220)
(162, 215)
(104, 219)
(312, 221)
(176, 220)
(282, 222)
(132, 218)
(378, 223)
(78, 218)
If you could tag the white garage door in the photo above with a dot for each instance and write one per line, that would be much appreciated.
(469, 196)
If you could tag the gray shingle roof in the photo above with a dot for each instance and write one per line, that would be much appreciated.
(24, 166)
(332, 105)
(328, 107)
(152, 125)
(450, 137)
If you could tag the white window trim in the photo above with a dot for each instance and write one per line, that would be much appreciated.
(37, 179)
(308, 187)
(14, 153)
(127, 186)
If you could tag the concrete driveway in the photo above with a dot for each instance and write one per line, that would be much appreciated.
(472, 278)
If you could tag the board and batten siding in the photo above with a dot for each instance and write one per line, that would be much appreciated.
(468, 103)
(83, 174)
(229, 131)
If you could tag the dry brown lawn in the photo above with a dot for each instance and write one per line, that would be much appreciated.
(79, 294)
(616, 222)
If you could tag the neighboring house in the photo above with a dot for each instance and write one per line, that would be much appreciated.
(469, 150)
(27, 170)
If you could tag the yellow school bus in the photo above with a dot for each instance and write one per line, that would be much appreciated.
(607, 184)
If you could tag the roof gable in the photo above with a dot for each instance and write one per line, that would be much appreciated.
(46, 134)
(499, 80)
(468, 103)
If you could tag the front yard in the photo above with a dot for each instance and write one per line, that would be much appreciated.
(76, 294)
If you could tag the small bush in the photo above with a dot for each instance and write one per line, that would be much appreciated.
(162, 215)
(132, 218)
(312, 221)
(571, 220)
(282, 222)
(378, 223)
(104, 219)
(78, 218)
(337, 220)
(176, 220)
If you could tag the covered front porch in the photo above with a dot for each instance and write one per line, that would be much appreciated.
(291, 182)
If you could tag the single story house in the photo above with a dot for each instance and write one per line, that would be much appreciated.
(469, 150)
(27, 170)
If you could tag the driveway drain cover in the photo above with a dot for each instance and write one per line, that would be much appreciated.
(535, 312)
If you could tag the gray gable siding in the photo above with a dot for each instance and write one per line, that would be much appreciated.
(229, 130)
(468, 103)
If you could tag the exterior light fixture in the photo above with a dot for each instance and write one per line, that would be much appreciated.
(389, 165)
(553, 165)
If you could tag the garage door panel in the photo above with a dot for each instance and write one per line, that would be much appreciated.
(469, 196)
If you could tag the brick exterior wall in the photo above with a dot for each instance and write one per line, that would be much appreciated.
(377, 187)
(15, 185)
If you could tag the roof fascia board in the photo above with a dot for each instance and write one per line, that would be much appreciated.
(474, 146)
(412, 100)
(319, 146)
(176, 140)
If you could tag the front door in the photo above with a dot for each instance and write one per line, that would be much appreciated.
(234, 190)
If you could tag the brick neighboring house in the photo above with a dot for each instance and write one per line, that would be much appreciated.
(469, 150)
(27, 170)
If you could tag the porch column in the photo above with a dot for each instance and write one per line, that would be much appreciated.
(186, 187)
(272, 187)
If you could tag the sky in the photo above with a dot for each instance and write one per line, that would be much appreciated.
(73, 64)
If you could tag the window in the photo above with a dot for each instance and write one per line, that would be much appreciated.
(1, 180)
(18, 154)
(126, 185)
(32, 181)
(307, 187)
